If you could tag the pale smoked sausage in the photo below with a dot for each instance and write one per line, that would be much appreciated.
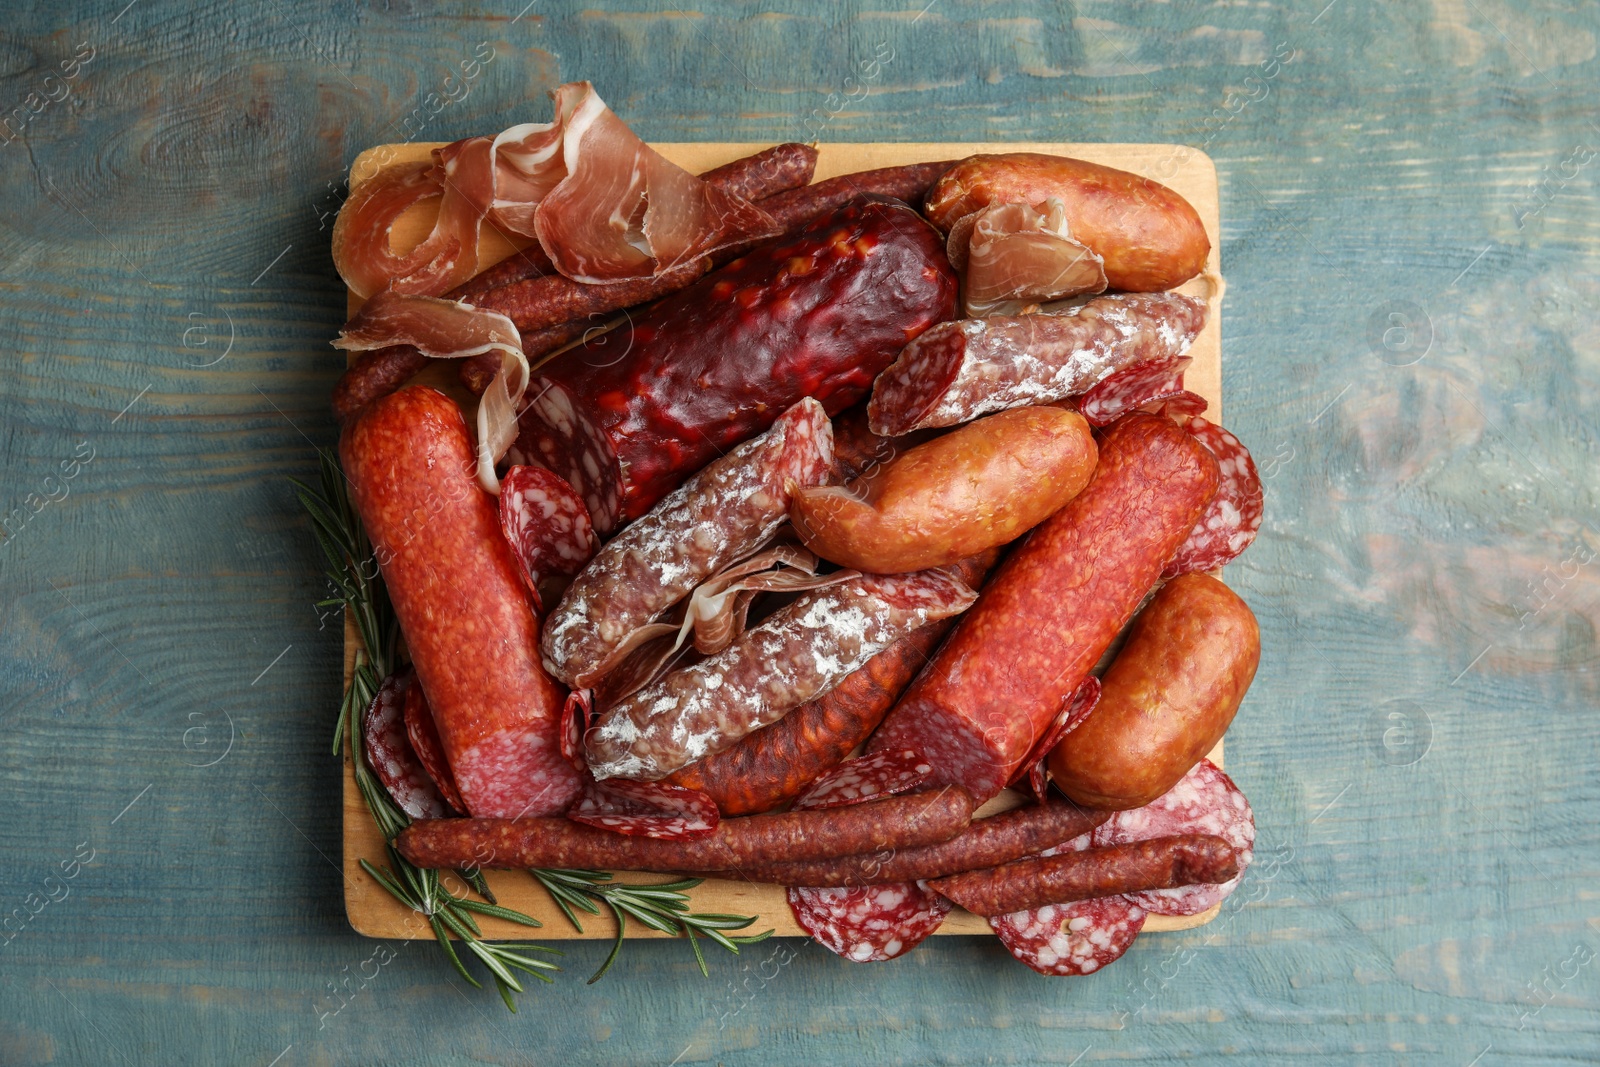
(1054, 606)
(461, 604)
(1167, 699)
(973, 489)
(1150, 237)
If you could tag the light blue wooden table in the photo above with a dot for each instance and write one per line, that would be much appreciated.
(1412, 339)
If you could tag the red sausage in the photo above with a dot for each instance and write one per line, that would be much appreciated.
(1160, 863)
(461, 605)
(1054, 606)
(627, 416)
(895, 823)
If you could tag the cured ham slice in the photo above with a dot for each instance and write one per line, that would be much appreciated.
(450, 329)
(623, 211)
(603, 205)
(1014, 255)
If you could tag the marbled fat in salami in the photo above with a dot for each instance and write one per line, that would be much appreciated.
(1205, 801)
(1133, 387)
(646, 809)
(1233, 518)
(548, 527)
(423, 733)
(866, 778)
(866, 924)
(389, 754)
(1063, 940)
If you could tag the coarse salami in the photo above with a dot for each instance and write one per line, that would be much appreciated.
(648, 809)
(548, 528)
(717, 517)
(628, 415)
(1067, 940)
(866, 778)
(957, 371)
(389, 754)
(1055, 605)
(866, 924)
(1205, 802)
(461, 605)
(886, 825)
(423, 734)
(797, 654)
(1133, 387)
(1233, 518)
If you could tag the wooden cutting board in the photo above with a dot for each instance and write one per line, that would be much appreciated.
(372, 911)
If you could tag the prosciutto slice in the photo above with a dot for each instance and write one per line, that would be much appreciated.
(623, 211)
(1013, 255)
(450, 329)
(602, 204)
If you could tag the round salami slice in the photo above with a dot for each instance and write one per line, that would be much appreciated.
(423, 733)
(1132, 387)
(1180, 406)
(881, 774)
(548, 526)
(865, 924)
(1233, 518)
(389, 754)
(1073, 711)
(1205, 801)
(1075, 939)
(646, 809)
(576, 711)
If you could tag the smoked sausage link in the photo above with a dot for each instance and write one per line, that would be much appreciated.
(1055, 605)
(975, 488)
(628, 415)
(1150, 237)
(894, 823)
(462, 607)
(1167, 698)
(1159, 863)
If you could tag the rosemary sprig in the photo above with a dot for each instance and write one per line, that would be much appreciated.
(663, 907)
(358, 589)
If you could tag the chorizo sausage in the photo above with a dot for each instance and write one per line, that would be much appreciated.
(1159, 863)
(1054, 606)
(461, 604)
(959, 370)
(1167, 698)
(981, 486)
(798, 653)
(893, 823)
(777, 762)
(626, 416)
(1150, 237)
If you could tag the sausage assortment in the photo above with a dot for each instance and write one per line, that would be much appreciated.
(985, 506)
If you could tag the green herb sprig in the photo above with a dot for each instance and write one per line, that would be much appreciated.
(359, 590)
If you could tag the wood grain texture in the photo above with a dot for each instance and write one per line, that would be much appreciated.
(1420, 745)
(374, 912)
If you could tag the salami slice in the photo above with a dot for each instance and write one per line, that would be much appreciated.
(867, 778)
(1133, 387)
(646, 809)
(865, 924)
(1073, 711)
(1205, 801)
(1233, 518)
(1068, 940)
(423, 733)
(576, 712)
(389, 754)
(1181, 406)
(548, 526)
